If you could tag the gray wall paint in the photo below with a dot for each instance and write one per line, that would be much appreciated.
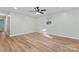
(64, 23)
(21, 24)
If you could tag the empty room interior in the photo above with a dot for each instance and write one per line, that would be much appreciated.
(39, 29)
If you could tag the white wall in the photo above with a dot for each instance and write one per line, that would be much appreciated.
(64, 23)
(7, 25)
(21, 24)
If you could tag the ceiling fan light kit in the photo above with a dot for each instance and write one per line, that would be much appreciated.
(37, 13)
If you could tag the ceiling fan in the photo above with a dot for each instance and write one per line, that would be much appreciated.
(38, 10)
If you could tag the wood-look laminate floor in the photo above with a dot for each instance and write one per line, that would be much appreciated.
(37, 42)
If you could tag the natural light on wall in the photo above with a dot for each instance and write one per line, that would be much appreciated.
(44, 31)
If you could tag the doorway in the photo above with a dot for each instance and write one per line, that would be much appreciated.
(2, 23)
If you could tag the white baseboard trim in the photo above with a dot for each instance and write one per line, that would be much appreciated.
(19, 34)
(66, 36)
(51, 34)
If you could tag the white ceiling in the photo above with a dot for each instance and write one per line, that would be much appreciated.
(25, 10)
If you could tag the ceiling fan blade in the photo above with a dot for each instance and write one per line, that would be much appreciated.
(43, 10)
(36, 9)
